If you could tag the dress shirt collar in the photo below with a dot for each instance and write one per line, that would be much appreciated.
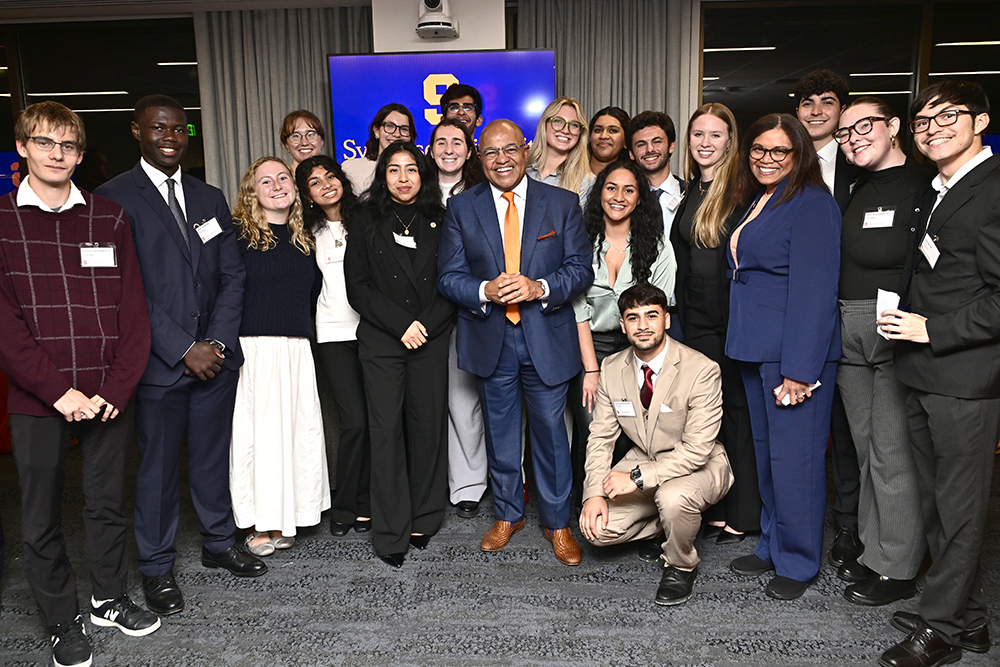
(158, 177)
(520, 193)
(669, 185)
(27, 197)
(981, 157)
(828, 163)
(656, 363)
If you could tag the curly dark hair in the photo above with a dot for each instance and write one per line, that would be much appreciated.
(822, 81)
(312, 214)
(646, 224)
(377, 197)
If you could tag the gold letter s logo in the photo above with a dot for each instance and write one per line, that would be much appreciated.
(433, 97)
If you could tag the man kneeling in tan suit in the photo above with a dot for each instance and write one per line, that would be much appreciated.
(667, 398)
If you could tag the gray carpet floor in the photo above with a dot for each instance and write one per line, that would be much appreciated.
(329, 601)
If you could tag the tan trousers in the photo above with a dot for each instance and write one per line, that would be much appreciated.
(674, 507)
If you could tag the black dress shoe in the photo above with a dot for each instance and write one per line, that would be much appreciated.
(853, 571)
(923, 648)
(878, 591)
(338, 529)
(846, 546)
(726, 537)
(650, 550)
(396, 560)
(783, 588)
(420, 541)
(238, 562)
(976, 640)
(751, 565)
(163, 595)
(710, 532)
(676, 586)
(467, 509)
(362, 526)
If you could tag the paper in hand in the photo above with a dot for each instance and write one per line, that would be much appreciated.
(885, 301)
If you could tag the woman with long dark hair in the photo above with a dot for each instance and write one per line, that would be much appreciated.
(277, 461)
(391, 123)
(391, 271)
(607, 138)
(704, 220)
(784, 329)
(329, 209)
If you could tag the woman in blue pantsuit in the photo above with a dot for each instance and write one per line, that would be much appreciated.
(784, 329)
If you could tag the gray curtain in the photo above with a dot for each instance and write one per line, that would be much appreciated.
(608, 52)
(256, 66)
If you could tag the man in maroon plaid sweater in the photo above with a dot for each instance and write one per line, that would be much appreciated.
(75, 331)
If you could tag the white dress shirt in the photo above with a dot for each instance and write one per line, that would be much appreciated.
(943, 188)
(670, 198)
(656, 363)
(27, 197)
(160, 181)
(828, 163)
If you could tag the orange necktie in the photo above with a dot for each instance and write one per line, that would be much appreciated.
(511, 249)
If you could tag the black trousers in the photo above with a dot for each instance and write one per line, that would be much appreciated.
(41, 445)
(407, 395)
(954, 442)
(340, 362)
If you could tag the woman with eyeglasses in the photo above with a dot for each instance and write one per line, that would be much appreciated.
(874, 249)
(303, 136)
(607, 138)
(557, 155)
(392, 123)
(277, 461)
(784, 329)
(625, 227)
(391, 272)
(329, 209)
(705, 219)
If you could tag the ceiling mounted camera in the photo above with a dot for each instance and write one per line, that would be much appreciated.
(435, 20)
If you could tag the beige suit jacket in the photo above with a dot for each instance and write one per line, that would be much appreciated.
(679, 435)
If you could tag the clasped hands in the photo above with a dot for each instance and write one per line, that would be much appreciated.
(75, 406)
(508, 288)
(203, 361)
(595, 508)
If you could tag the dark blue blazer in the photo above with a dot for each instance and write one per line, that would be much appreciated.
(195, 292)
(783, 298)
(554, 246)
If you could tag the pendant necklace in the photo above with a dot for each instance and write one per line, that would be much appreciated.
(406, 225)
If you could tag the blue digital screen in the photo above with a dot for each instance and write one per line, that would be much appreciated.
(517, 85)
(10, 176)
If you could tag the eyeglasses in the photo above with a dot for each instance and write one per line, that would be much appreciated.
(455, 107)
(777, 154)
(510, 150)
(943, 119)
(309, 136)
(559, 124)
(392, 128)
(862, 127)
(46, 145)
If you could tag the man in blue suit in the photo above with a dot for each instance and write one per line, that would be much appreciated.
(513, 253)
(193, 275)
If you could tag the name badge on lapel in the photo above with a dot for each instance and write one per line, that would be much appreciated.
(208, 230)
(624, 408)
(405, 241)
(94, 256)
(930, 250)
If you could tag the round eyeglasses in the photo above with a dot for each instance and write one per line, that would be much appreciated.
(862, 127)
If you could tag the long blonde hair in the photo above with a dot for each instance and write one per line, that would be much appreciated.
(250, 218)
(719, 202)
(576, 167)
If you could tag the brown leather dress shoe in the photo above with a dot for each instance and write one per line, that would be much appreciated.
(565, 547)
(497, 537)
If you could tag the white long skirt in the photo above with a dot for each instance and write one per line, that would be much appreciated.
(277, 460)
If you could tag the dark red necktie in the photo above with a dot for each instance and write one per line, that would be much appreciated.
(646, 393)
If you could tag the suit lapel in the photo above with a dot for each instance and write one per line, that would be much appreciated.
(533, 215)
(668, 371)
(486, 211)
(155, 201)
(193, 213)
(957, 198)
(398, 253)
(630, 384)
(425, 249)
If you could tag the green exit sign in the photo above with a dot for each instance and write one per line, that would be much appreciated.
(192, 132)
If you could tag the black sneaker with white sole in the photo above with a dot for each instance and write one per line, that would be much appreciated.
(125, 615)
(70, 646)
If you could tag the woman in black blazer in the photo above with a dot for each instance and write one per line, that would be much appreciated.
(700, 235)
(391, 272)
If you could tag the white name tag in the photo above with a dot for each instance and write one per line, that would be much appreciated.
(787, 400)
(885, 300)
(333, 255)
(208, 230)
(98, 257)
(674, 202)
(624, 409)
(930, 250)
(881, 217)
(405, 241)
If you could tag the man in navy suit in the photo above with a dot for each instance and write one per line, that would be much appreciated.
(193, 275)
(516, 330)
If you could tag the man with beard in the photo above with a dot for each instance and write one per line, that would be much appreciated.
(667, 398)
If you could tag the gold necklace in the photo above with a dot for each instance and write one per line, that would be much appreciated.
(406, 225)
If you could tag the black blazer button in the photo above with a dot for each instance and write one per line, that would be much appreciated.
(194, 316)
(196, 285)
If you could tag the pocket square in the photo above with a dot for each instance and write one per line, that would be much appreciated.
(545, 236)
(665, 408)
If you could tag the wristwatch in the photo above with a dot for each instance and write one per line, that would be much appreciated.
(216, 344)
(636, 476)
